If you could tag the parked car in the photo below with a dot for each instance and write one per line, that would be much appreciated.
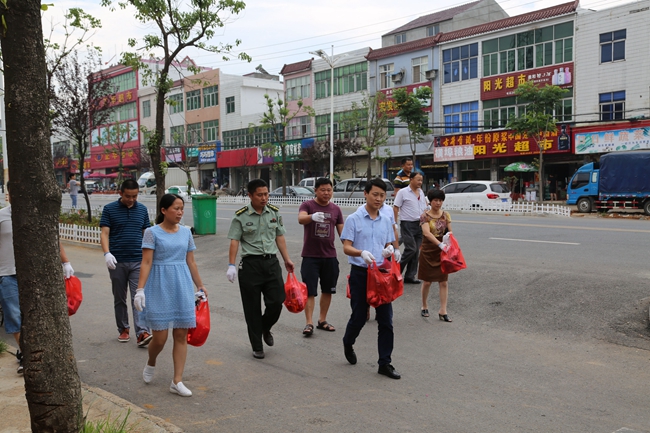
(310, 182)
(182, 190)
(293, 191)
(477, 193)
(91, 186)
(353, 188)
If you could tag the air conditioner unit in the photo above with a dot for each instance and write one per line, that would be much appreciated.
(431, 74)
(397, 77)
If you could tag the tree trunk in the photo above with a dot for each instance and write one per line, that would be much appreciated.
(284, 169)
(51, 381)
(154, 149)
(541, 175)
(369, 170)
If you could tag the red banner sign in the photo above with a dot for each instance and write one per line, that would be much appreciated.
(390, 106)
(500, 144)
(101, 157)
(237, 158)
(503, 86)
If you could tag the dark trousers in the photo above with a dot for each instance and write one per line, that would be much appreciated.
(125, 278)
(260, 275)
(412, 236)
(359, 304)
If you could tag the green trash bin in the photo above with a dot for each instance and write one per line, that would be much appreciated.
(204, 211)
(173, 190)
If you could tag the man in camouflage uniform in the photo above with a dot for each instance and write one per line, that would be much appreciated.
(258, 228)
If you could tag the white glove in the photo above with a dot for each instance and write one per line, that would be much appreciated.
(232, 273)
(445, 238)
(111, 261)
(387, 252)
(443, 247)
(367, 257)
(138, 300)
(319, 217)
(398, 256)
(200, 296)
(67, 270)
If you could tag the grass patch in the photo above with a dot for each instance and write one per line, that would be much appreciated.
(108, 425)
(3, 346)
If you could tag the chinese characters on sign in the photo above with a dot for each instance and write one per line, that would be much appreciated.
(502, 86)
(389, 105)
(453, 153)
(613, 140)
(497, 144)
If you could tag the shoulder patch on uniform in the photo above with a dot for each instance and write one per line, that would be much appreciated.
(241, 211)
(273, 207)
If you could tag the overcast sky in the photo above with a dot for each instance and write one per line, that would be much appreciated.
(275, 32)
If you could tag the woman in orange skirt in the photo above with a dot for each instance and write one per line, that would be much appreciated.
(435, 223)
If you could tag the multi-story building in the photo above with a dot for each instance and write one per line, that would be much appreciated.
(612, 111)
(410, 58)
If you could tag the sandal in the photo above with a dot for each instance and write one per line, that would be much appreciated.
(308, 330)
(424, 312)
(325, 326)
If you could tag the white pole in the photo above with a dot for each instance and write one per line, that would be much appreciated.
(331, 62)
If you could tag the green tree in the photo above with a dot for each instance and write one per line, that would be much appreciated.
(77, 105)
(176, 30)
(410, 110)
(52, 385)
(537, 121)
(276, 117)
(371, 119)
(114, 141)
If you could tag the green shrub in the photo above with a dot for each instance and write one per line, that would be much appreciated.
(108, 425)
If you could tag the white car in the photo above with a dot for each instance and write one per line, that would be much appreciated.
(354, 188)
(478, 194)
(182, 190)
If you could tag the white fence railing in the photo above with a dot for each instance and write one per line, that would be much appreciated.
(530, 208)
(73, 232)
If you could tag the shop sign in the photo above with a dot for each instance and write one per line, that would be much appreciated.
(503, 86)
(293, 151)
(173, 154)
(111, 158)
(389, 106)
(118, 98)
(615, 140)
(498, 144)
(208, 152)
(461, 152)
(237, 158)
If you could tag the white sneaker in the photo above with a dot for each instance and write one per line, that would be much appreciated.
(147, 374)
(180, 389)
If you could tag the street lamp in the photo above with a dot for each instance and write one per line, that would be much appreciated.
(331, 60)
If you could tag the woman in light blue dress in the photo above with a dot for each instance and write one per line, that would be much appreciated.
(166, 274)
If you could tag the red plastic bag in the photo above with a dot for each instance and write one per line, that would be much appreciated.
(384, 287)
(452, 260)
(197, 336)
(296, 294)
(73, 292)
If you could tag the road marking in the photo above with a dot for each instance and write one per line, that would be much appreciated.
(533, 240)
(551, 226)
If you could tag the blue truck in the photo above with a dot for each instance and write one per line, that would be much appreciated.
(621, 180)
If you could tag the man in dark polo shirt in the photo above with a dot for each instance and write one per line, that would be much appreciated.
(123, 223)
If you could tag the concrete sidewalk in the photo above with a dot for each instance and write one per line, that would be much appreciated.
(97, 404)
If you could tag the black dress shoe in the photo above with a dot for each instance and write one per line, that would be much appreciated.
(412, 281)
(389, 370)
(259, 354)
(349, 354)
(268, 338)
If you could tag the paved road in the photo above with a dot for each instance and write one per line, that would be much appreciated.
(549, 335)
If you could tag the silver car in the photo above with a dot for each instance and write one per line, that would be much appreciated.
(353, 188)
(478, 194)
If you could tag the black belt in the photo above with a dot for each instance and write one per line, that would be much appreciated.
(411, 222)
(260, 257)
(361, 268)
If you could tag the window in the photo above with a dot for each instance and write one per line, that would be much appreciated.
(124, 112)
(193, 99)
(433, 30)
(194, 133)
(248, 137)
(420, 66)
(497, 112)
(299, 127)
(385, 72)
(177, 134)
(580, 180)
(176, 103)
(461, 117)
(146, 108)
(297, 88)
(460, 63)
(323, 125)
(612, 46)
(564, 110)
(530, 49)
(612, 105)
(400, 38)
(230, 104)
(211, 130)
(211, 96)
(347, 79)
(122, 82)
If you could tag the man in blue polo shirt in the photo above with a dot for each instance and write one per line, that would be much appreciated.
(368, 234)
(123, 224)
